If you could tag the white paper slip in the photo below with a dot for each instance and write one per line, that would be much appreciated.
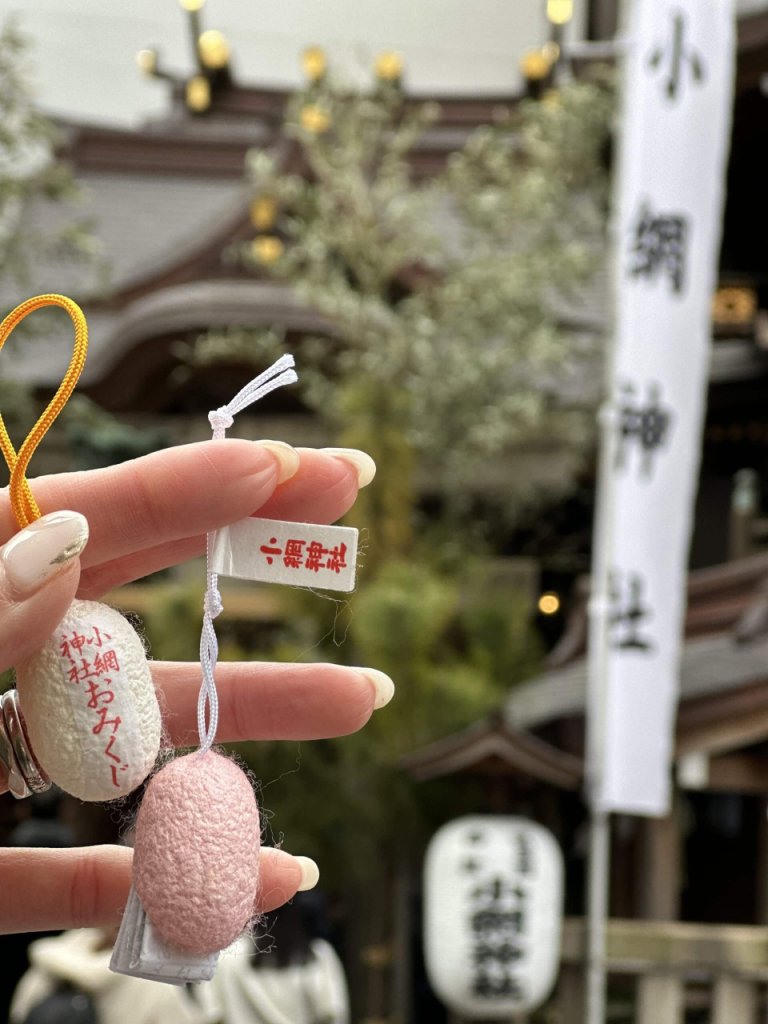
(273, 551)
(140, 953)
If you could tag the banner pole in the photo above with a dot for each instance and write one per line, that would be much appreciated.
(599, 847)
(599, 875)
(599, 866)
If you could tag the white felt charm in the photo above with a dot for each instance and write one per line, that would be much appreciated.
(90, 706)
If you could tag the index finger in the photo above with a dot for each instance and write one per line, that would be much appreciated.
(159, 498)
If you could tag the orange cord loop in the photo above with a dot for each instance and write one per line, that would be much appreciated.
(24, 506)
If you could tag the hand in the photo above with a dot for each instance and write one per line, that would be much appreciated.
(144, 516)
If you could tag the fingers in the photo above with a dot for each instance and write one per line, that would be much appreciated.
(281, 877)
(323, 489)
(259, 701)
(153, 512)
(161, 497)
(51, 889)
(39, 573)
(321, 494)
(47, 890)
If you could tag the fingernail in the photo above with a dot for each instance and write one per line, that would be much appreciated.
(310, 873)
(382, 685)
(287, 456)
(364, 465)
(43, 549)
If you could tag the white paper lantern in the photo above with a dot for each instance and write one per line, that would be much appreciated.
(493, 893)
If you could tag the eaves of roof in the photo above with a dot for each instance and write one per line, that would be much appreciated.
(490, 747)
(194, 306)
(710, 666)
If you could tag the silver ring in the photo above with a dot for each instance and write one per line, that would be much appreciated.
(19, 770)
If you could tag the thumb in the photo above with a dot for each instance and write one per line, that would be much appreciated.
(39, 575)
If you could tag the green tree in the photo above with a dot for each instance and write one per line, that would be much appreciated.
(38, 209)
(30, 172)
(442, 294)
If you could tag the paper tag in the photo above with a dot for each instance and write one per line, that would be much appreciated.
(140, 953)
(272, 551)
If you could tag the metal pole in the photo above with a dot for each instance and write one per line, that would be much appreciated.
(599, 871)
(598, 878)
(599, 865)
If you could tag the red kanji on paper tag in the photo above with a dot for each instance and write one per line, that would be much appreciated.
(303, 554)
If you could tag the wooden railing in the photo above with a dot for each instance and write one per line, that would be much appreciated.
(658, 970)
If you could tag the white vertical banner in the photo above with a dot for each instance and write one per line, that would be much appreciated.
(678, 90)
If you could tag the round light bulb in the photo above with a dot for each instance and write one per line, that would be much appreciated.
(535, 65)
(549, 603)
(314, 63)
(389, 66)
(559, 12)
(315, 119)
(267, 249)
(198, 94)
(263, 212)
(146, 61)
(214, 50)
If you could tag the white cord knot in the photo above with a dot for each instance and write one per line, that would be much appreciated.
(213, 605)
(220, 419)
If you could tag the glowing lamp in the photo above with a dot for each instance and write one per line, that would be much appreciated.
(315, 119)
(535, 65)
(198, 94)
(263, 212)
(389, 66)
(314, 63)
(146, 61)
(213, 48)
(549, 603)
(559, 12)
(267, 249)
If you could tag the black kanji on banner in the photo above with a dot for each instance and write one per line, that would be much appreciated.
(524, 859)
(497, 918)
(628, 613)
(659, 246)
(645, 426)
(675, 58)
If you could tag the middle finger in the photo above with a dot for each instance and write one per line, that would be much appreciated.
(266, 701)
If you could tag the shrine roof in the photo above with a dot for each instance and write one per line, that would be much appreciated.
(725, 649)
(166, 199)
(722, 712)
(143, 225)
(491, 747)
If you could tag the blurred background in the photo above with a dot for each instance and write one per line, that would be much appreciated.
(414, 201)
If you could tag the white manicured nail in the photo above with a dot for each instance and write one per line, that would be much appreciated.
(310, 873)
(364, 465)
(43, 549)
(382, 685)
(287, 456)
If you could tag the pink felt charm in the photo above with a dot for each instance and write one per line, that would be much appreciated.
(196, 856)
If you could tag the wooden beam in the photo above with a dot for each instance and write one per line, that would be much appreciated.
(727, 733)
(660, 999)
(733, 999)
(660, 866)
(738, 773)
(643, 947)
